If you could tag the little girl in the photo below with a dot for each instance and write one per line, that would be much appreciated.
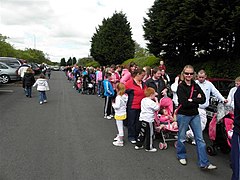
(42, 87)
(166, 120)
(120, 106)
(79, 84)
(148, 108)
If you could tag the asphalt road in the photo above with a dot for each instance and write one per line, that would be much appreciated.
(68, 139)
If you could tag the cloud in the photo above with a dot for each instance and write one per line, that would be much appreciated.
(63, 28)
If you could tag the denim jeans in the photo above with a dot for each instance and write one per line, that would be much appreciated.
(28, 91)
(195, 124)
(99, 88)
(42, 96)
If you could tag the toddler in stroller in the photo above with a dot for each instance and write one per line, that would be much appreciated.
(220, 129)
(165, 123)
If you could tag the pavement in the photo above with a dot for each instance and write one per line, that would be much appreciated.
(67, 138)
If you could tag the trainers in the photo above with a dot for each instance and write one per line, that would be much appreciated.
(133, 141)
(108, 117)
(183, 161)
(151, 150)
(116, 138)
(118, 143)
(45, 101)
(209, 167)
(105, 116)
(111, 116)
(40, 102)
(137, 147)
(193, 142)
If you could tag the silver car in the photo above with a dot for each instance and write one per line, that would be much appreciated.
(8, 73)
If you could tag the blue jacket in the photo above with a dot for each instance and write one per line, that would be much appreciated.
(108, 89)
(237, 111)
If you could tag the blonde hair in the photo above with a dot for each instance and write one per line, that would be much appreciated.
(237, 79)
(149, 91)
(182, 78)
(121, 89)
(29, 70)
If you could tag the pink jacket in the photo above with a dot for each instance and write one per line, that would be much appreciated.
(126, 75)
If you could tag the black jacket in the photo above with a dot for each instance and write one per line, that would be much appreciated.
(183, 92)
(28, 80)
(237, 111)
(161, 86)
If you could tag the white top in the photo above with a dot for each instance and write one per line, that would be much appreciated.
(42, 84)
(148, 107)
(208, 88)
(120, 105)
(230, 97)
(174, 87)
(22, 70)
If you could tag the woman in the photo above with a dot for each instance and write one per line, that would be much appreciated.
(135, 90)
(190, 96)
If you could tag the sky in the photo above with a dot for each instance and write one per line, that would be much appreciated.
(63, 28)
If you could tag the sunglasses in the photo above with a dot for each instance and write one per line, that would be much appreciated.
(186, 73)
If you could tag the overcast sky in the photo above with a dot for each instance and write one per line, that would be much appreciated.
(63, 28)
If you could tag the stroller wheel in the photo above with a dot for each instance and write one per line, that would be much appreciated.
(161, 146)
(165, 146)
(211, 150)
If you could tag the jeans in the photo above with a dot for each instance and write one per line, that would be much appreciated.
(28, 91)
(42, 96)
(235, 156)
(195, 124)
(99, 88)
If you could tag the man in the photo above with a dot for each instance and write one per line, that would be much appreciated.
(232, 91)
(235, 149)
(23, 68)
(157, 83)
(208, 88)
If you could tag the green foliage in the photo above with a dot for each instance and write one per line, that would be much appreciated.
(151, 61)
(87, 62)
(93, 64)
(63, 62)
(112, 43)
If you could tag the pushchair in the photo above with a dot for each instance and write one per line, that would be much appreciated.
(87, 87)
(219, 128)
(165, 125)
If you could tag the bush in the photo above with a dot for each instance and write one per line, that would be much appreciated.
(151, 61)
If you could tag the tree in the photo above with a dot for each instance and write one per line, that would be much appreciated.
(63, 62)
(112, 43)
(140, 52)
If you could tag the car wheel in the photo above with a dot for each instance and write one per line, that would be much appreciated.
(5, 79)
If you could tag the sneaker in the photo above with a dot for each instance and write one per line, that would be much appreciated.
(45, 101)
(133, 141)
(183, 161)
(209, 167)
(108, 117)
(118, 143)
(151, 150)
(111, 116)
(137, 147)
(105, 116)
(116, 138)
(40, 102)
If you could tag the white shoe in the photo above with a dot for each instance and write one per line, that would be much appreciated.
(133, 141)
(111, 115)
(40, 102)
(209, 167)
(151, 150)
(193, 142)
(116, 138)
(108, 117)
(45, 101)
(137, 147)
(118, 143)
(183, 161)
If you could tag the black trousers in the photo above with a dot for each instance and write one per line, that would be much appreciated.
(107, 105)
(146, 134)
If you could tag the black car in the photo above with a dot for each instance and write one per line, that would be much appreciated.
(35, 68)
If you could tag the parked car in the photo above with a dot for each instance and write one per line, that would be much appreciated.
(12, 62)
(8, 73)
(224, 86)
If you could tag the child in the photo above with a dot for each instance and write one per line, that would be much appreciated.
(42, 87)
(148, 107)
(108, 94)
(162, 65)
(28, 81)
(120, 107)
(166, 120)
(79, 83)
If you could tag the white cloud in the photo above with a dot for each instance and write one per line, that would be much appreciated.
(63, 28)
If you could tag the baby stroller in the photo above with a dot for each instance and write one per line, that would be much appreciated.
(165, 126)
(219, 128)
(87, 85)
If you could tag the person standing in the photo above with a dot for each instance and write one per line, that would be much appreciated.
(190, 95)
(232, 91)
(235, 143)
(28, 81)
(42, 87)
(23, 68)
(157, 83)
(208, 89)
(135, 90)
